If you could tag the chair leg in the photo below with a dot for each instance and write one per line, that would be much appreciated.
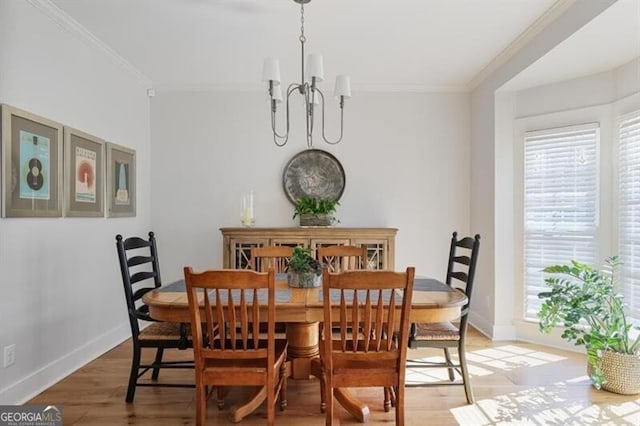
(271, 399)
(447, 356)
(399, 403)
(465, 374)
(221, 394)
(201, 404)
(283, 388)
(328, 415)
(133, 376)
(157, 362)
(387, 399)
(323, 394)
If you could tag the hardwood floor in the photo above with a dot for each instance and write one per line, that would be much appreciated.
(513, 382)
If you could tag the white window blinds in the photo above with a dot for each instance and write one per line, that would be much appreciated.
(629, 211)
(560, 203)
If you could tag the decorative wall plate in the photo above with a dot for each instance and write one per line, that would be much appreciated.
(313, 173)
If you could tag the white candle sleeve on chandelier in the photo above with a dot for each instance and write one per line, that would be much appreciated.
(314, 98)
(277, 94)
(343, 86)
(271, 71)
(314, 67)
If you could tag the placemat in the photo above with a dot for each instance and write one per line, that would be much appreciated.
(419, 284)
(282, 296)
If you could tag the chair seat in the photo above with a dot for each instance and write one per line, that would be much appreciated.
(436, 331)
(162, 331)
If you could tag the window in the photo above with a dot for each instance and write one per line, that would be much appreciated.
(629, 210)
(560, 203)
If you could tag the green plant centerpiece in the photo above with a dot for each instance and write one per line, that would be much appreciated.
(304, 270)
(586, 302)
(316, 211)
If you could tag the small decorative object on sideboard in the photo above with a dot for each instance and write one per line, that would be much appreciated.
(586, 302)
(304, 270)
(246, 212)
(316, 212)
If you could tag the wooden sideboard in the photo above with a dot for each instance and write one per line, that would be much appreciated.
(237, 242)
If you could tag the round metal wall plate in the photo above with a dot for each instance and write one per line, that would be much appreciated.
(313, 173)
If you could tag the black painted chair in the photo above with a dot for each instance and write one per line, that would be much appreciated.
(463, 256)
(140, 270)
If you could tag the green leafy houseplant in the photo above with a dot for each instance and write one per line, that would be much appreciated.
(304, 270)
(315, 207)
(586, 302)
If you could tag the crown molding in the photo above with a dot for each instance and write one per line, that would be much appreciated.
(550, 15)
(62, 19)
(254, 88)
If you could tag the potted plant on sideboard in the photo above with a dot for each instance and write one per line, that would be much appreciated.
(316, 211)
(304, 270)
(586, 302)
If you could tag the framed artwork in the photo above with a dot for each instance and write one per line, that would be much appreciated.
(31, 165)
(121, 181)
(83, 175)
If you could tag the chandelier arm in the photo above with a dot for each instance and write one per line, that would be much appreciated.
(341, 120)
(276, 135)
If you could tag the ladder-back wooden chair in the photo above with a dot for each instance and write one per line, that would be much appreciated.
(343, 258)
(276, 257)
(463, 256)
(140, 270)
(229, 348)
(371, 308)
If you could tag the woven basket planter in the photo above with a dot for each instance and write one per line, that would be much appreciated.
(622, 372)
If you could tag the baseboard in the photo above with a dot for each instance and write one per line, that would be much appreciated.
(481, 324)
(33, 384)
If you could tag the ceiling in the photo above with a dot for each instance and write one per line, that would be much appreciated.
(400, 45)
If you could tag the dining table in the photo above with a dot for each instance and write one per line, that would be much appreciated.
(302, 311)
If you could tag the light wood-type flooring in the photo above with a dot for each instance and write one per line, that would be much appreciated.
(514, 383)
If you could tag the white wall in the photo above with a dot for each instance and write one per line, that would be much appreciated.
(489, 165)
(62, 301)
(406, 159)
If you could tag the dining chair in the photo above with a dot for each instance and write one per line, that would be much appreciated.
(140, 270)
(371, 308)
(463, 256)
(276, 257)
(235, 302)
(343, 258)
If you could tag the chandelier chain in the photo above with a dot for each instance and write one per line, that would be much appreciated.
(302, 37)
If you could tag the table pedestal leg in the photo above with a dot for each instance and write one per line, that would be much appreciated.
(354, 406)
(303, 347)
(239, 411)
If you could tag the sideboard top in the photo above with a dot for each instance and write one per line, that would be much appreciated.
(311, 230)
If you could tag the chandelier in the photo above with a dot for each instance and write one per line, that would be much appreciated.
(313, 97)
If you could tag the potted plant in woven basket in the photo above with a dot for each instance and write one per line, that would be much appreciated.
(585, 301)
(316, 211)
(304, 270)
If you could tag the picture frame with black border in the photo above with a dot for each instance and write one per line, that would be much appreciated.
(31, 164)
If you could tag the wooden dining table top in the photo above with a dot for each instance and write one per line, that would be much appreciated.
(432, 301)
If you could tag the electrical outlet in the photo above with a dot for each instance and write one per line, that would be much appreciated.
(9, 355)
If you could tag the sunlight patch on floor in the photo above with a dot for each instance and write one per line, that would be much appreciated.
(505, 358)
(545, 406)
(563, 402)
